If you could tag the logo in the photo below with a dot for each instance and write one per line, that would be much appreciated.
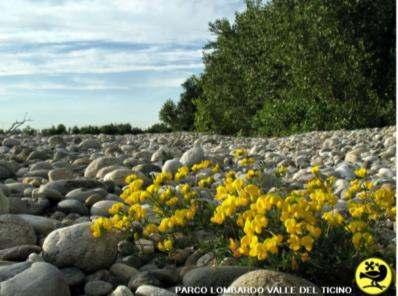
(373, 276)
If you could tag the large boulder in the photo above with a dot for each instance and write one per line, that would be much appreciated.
(268, 282)
(40, 279)
(14, 231)
(75, 246)
(97, 164)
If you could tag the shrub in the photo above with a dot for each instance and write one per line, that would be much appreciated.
(299, 231)
(158, 128)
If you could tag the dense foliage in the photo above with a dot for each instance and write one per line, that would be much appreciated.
(287, 66)
(181, 116)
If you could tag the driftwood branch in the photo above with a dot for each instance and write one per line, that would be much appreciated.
(18, 123)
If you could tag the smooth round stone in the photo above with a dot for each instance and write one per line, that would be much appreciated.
(148, 290)
(14, 231)
(122, 291)
(73, 276)
(101, 208)
(72, 206)
(97, 288)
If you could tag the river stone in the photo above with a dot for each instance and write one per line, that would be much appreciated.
(40, 279)
(97, 164)
(268, 279)
(75, 246)
(148, 290)
(14, 231)
(171, 166)
(60, 174)
(118, 176)
(18, 253)
(72, 206)
(123, 272)
(6, 170)
(41, 225)
(56, 190)
(89, 144)
(221, 276)
(81, 194)
(4, 203)
(97, 288)
(122, 291)
(101, 208)
(192, 156)
(10, 270)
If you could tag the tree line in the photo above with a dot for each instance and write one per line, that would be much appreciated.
(289, 66)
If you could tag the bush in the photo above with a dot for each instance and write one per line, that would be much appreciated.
(158, 128)
(336, 56)
(299, 231)
(59, 130)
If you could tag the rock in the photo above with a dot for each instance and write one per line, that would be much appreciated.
(102, 207)
(214, 277)
(146, 169)
(123, 272)
(56, 190)
(145, 246)
(352, 157)
(4, 203)
(344, 171)
(9, 271)
(10, 142)
(55, 140)
(206, 259)
(38, 155)
(97, 164)
(268, 279)
(18, 253)
(73, 276)
(122, 291)
(104, 171)
(6, 170)
(118, 176)
(60, 174)
(148, 290)
(41, 225)
(171, 166)
(75, 246)
(385, 173)
(72, 206)
(97, 288)
(14, 231)
(81, 194)
(40, 279)
(143, 278)
(89, 144)
(192, 156)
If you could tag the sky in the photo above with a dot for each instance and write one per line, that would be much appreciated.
(81, 62)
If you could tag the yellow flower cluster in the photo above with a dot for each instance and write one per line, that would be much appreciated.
(269, 221)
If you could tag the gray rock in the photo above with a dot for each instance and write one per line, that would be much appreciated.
(10, 142)
(40, 279)
(214, 277)
(268, 279)
(72, 206)
(123, 272)
(4, 203)
(143, 278)
(60, 174)
(14, 231)
(7, 170)
(122, 291)
(97, 288)
(73, 276)
(89, 144)
(102, 207)
(39, 155)
(41, 225)
(56, 190)
(171, 166)
(9, 271)
(146, 169)
(118, 176)
(148, 290)
(344, 171)
(18, 253)
(97, 164)
(75, 246)
(192, 156)
(81, 194)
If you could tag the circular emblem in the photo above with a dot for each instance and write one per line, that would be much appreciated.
(373, 276)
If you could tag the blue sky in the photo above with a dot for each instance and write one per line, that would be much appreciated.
(82, 62)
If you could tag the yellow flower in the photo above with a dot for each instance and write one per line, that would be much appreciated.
(315, 170)
(361, 172)
(294, 242)
(165, 246)
(307, 242)
(334, 218)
